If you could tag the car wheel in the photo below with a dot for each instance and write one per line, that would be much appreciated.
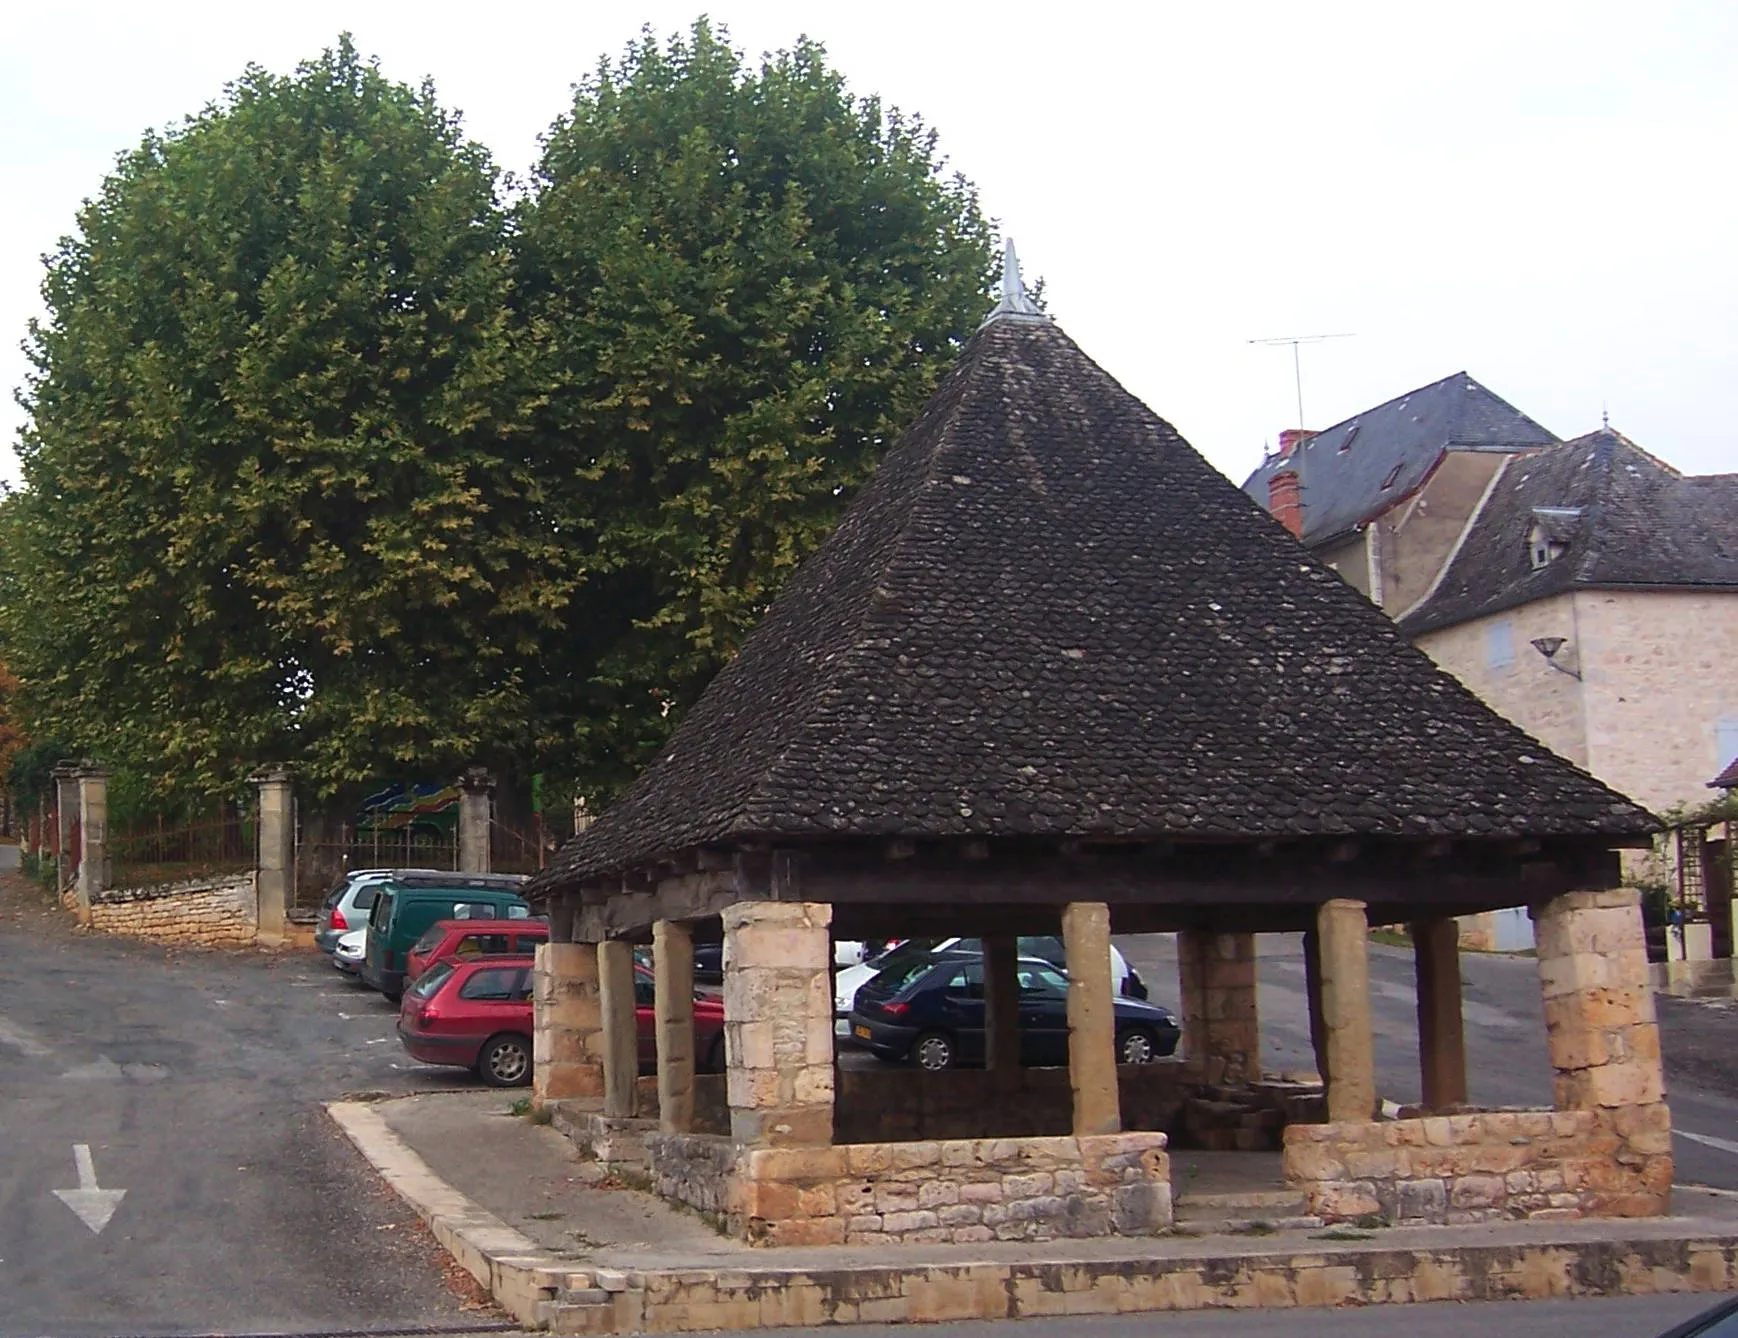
(1136, 1045)
(505, 1061)
(933, 1051)
(715, 1055)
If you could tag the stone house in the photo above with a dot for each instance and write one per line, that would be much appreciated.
(1586, 589)
(1051, 673)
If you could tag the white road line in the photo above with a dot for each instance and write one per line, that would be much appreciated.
(11, 1034)
(1724, 1144)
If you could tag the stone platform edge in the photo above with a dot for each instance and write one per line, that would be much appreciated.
(541, 1291)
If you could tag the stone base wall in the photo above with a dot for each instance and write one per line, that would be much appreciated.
(206, 912)
(1485, 1165)
(960, 1190)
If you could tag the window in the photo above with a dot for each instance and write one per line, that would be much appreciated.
(1500, 645)
(1393, 477)
(1725, 742)
(365, 896)
(527, 942)
(518, 913)
(431, 980)
(1041, 980)
(480, 945)
(967, 982)
(503, 984)
(645, 991)
(430, 939)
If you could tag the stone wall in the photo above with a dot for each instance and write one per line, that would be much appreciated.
(1479, 1166)
(206, 912)
(961, 1190)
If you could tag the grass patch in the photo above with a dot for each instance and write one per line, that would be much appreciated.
(536, 1114)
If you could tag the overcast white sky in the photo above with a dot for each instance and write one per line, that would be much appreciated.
(1540, 193)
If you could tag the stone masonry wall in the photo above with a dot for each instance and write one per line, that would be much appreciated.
(1474, 1167)
(964, 1190)
(205, 912)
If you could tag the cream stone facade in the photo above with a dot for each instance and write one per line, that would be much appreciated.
(1656, 700)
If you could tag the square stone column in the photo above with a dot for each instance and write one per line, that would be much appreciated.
(1312, 955)
(93, 824)
(1441, 1037)
(65, 775)
(1091, 1021)
(778, 1022)
(1221, 1027)
(1002, 1008)
(1604, 1040)
(274, 878)
(673, 976)
(621, 1033)
(1343, 931)
(476, 808)
(567, 1026)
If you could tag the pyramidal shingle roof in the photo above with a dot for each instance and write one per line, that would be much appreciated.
(1624, 519)
(1046, 615)
(1352, 472)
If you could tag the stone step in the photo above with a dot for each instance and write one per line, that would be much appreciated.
(588, 1310)
(1284, 1200)
(1243, 1226)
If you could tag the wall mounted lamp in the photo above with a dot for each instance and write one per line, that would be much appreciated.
(1548, 646)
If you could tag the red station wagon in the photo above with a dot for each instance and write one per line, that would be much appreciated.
(473, 938)
(476, 1014)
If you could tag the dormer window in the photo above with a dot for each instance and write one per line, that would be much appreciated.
(1549, 535)
(1540, 548)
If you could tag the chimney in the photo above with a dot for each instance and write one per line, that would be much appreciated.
(1291, 439)
(1285, 499)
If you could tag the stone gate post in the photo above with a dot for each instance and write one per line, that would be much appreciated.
(65, 815)
(93, 822)
(274, 874)
(476, 808)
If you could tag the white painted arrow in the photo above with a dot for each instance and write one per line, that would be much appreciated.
(94, 1206)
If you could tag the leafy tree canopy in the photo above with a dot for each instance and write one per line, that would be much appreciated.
(277, 503)
(740, 283)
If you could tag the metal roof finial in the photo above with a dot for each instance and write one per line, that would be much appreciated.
(1014, 303)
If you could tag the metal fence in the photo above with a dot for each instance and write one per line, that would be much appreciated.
(163, 853)
(321, 860)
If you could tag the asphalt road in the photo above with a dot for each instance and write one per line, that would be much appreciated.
(195, 1080)
(1507, 1063)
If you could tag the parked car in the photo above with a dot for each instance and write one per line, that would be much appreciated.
(1719, 1321)
(352, 948)
(1046, 947)
(347, 905)
(709, 959)
(406, 905)
(476, 1013)
(931, 1012)
(473, 938)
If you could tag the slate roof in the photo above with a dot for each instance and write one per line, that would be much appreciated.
(1727, 779)
(1343, 469)
(1047, 615)
(1626, 520)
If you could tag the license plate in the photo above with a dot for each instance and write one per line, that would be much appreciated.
(862, 1032)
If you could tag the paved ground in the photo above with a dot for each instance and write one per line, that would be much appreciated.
(195, 1081)
(1505, 1037)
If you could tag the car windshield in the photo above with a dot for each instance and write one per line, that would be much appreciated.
(430, 939)
(431, 980)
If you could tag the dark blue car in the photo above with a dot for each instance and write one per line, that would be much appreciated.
(932, 1013)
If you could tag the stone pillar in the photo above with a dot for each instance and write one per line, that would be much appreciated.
(1002, 1008)
(93, 824)
(621, 1032)
(1218, 977)
(567, 1029)
(1441, 1039)
(1604, 1040)
(1312, 950)
(1091, 1021)
(778, 1022)
(274, 878)
(65, 816)
(476, 805)
(673, 974)
(1345, 947)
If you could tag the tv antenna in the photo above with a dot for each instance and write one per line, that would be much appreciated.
(1297, 361)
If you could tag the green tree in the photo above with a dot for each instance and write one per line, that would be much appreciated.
(278, 502)
(740, 283)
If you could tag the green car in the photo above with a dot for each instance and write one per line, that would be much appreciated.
(406, 904)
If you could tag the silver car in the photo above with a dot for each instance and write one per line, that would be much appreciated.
(347, 905)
